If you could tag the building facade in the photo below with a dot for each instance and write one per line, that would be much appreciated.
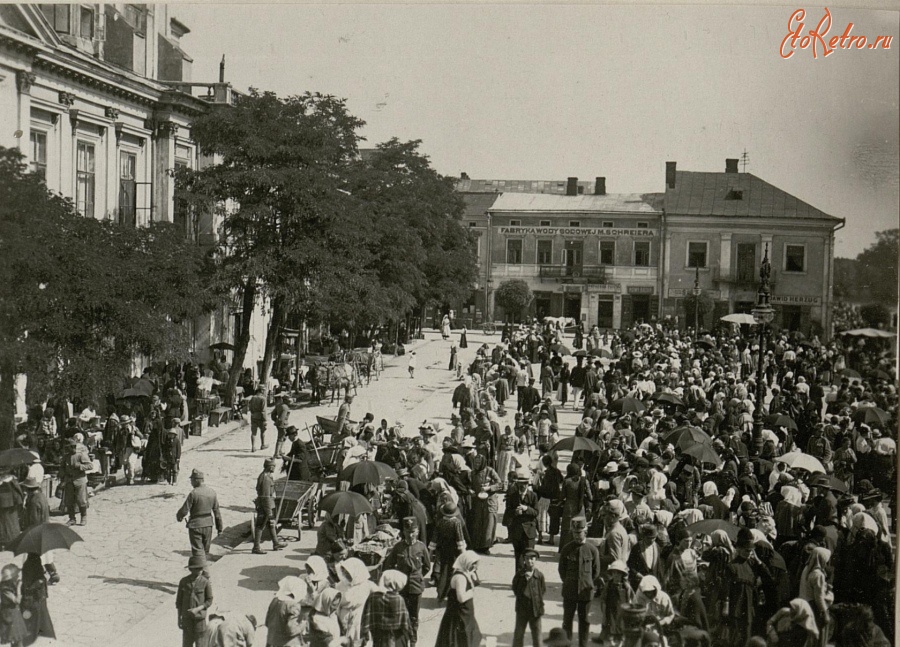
(613, 260)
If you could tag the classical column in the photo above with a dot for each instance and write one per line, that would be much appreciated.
(24, 81)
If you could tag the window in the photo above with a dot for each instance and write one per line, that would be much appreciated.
(642, 253)
(515, 223)
(643, 225)
(696, 255)
(39, 153)
(545, 223)
(574, 223)
(795, 258)
(545, 252)
(607, 252)
(86, 24)
(58, 16)
(746, 262)
(473, 224)
(127, 188)
(136, 17)
(608, 224)
(84, 181)
(514, 251)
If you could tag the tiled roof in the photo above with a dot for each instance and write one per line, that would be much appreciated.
(557, 187)
(647, 203)
(477, 204)
(713, 194)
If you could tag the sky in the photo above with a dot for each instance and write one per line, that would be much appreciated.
(544, 92)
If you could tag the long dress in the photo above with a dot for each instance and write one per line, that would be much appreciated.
(34, 601)
(482, 514)
(463, 341)
(459, 628)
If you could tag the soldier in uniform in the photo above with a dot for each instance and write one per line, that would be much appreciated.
(579, 568)
(521, 509)
(193, 600)
(280, 417)
(202, 505)
(265, 508)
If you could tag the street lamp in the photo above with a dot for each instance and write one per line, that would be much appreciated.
(697, 292)
(763, 313)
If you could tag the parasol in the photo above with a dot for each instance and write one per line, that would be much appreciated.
(43, 538)
(222, 345)
(781, 420)
(601, 352)
(879, 374)
(801, 461)
(345, 503)
(827, 481)
(576, 444)
(669, 398)
(868, 332)
(849, 372)
(740, 318)
(579, 353)
(18, 456)
(687, 435)
(627, 405)
(709, 526)
(704, 343)
(560, 349)
(871, 416)
(371, 472)
(704, 453)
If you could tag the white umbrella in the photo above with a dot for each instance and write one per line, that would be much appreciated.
(799, 460)
(869, 332)
(739, 318)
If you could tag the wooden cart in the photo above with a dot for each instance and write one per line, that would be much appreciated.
(293, 497)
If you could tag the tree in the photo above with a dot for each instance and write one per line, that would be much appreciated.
(875, 315)
(82, 296)
(697, 307)
(877, 269)
(513, 296)
(289, 229)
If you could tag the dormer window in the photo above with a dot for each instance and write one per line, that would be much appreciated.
(86, 23)
(734, 194)
(58, 16)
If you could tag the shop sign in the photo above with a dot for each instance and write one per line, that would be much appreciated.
(644, 232)
(640, 289)
(678, 293)
(794, 301)
(606, 288)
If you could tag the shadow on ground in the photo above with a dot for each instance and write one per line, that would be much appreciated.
(264, 578)
(164, 587)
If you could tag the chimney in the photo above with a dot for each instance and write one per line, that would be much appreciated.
(572, 186)
(600, 186)
(463, 175)
(222, 70)
(731, 166)
(670, 174)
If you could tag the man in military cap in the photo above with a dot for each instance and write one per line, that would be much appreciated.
(202, 505)
(579, 568)
(193, 600)
(410, 557)
(521, 509)
(265, 508)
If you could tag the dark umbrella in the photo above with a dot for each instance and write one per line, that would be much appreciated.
(704, 343)
(781, 420)
(371, 472)
(796, 335)
(688, 435)
(222, 345)
(704, 453)
(560, 349)
(828, 481)
(345, 503)
(601, 352)
(42, 538)
(577, 444)
(849, 372)
(871, 416)
(627, 405)
(17, 457)
(709, 526)
(579, 353)
(882, 375)
(670, 398)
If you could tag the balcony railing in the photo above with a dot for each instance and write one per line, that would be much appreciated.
(591, 275)
(739, 279)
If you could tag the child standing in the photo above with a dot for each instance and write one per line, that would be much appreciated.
(618, 592)
(529, 587)
(412, 364)
(193, 600)
(13, 630)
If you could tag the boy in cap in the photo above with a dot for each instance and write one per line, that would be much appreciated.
(265, 508)
(410, 557)
(202, 504)
(193, 600)
(529, 587)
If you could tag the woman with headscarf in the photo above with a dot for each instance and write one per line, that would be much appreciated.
(447, 543)
(355, 587)
(459, 628)
(482, 524)
(789, 514)
(284, 618)
(385, 617)
(658, 603)
(317, 579)
(712, 499)
(815, 589)
(324, 628)
(576, 498)
(793, 625)
(718, 556)
(152, 457)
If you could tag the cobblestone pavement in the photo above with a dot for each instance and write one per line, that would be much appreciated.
(118, 586)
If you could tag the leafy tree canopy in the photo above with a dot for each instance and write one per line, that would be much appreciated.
(513, 296)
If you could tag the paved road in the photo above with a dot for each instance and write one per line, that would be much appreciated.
(118, 586)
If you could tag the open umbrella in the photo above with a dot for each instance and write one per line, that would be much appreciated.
(17, 457)
(42, 538)
(669, 398)
(345, 503)
(687, 435)
(222, 345)
(627, 405)
(739, 318)
(579, 353)
(827, 481)
(371, 472)
(780, 420)
(865, 416)
(801, 461)
(704, 343)
(560, 349)
(704, 453)
(709, 526)
(868, 332)
(601, 352)
(576, 444)
(849, 372)
(878, 374)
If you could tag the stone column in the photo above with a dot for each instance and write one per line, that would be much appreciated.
(24, 81)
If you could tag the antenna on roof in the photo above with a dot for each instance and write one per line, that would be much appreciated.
(745, 159)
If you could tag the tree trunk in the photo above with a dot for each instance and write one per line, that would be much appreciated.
(248, 301)
(276, 323)
(7, 404)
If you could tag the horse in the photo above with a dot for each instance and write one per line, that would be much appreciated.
(335, 377)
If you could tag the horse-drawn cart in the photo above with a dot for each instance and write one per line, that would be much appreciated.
(292, 498)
